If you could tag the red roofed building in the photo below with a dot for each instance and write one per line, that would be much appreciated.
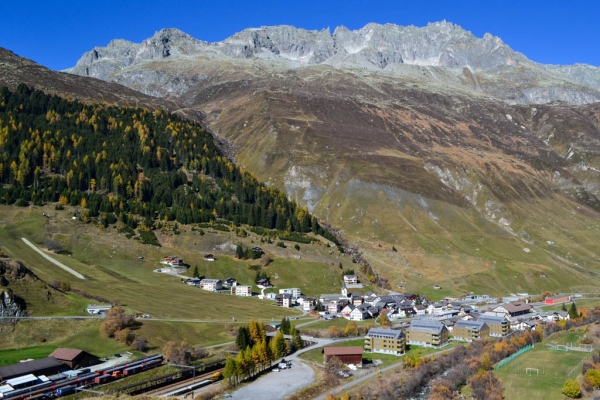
(74, 358)
(348, 355)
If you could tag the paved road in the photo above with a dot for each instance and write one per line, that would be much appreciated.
(278, 385)
(53, 261)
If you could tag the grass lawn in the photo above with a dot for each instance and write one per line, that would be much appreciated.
(592, 303)
(197, 334)
(13, 356)
(324, 324)
(114, 272)
(554, 368)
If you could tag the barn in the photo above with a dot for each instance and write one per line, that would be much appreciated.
(348, 355)
(558, 299)
(74, 358)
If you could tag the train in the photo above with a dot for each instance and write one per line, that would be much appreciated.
(66, 386)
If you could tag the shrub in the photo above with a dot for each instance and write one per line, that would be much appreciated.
(148, 237)
(572, 389)
(281, 244)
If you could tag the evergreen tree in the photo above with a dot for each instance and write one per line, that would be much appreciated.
(296, 338)
(196, 274)
(239, 252)
(285, 326)
(573, 313)
(242, 339)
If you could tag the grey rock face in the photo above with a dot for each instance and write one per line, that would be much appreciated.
(10, 306)
(488, 63)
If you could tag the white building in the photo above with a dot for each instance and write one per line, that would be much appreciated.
(295, 292)
(211, 285)
(241, 290)
(96, 309)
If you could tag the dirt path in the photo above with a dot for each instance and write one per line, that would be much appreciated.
(53, 261)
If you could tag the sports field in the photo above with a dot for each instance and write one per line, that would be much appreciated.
(553, 368)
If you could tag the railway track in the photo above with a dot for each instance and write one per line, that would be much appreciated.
(182, 384)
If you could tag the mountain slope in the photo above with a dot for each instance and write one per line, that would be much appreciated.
(15, 70)
(420, 138)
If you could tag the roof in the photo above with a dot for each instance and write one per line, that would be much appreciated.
(210, 281)
(516, 306)
(386, 333)
(29, 367)
(343, 351)
(350, 276)
(472, 325)
(427, 326)
(493, 319)
(21, 380)
(65, 354)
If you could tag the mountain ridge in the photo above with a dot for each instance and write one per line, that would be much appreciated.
(374, 47)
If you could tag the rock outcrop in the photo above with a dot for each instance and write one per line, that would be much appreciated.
(449, 53)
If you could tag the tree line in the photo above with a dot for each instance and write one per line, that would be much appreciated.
(140, 166)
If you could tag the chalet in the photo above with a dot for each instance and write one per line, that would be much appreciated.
(467, 331)
(350, 279)
(561, 298)
(420, 309)
(269, 296)
(263, 283)
(241, 290)
(173, 261)
(560, 316)
(356, 299)
(295, 292)
(193, 281)
(498, 324)
(348, 355)
(360, 313)
(230, 282)
(427, 333)
(386, 341)
(211, 285)
(209, 257)
(309, 304)
(513, 309)
(284, 300)
(345, 312)
(74, 358)
(97, 310)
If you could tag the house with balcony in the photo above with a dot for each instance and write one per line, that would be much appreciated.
(428, 333)
(241, 290)
(386, 341)
(212, 285)
(498, 324)
(468, 331)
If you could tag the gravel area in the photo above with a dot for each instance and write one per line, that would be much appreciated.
(278, 385)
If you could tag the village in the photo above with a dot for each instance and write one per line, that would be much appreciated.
(405, 318)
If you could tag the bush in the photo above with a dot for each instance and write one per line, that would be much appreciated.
(281, 244)
(148, 237)
(59, 207)
(572, 389)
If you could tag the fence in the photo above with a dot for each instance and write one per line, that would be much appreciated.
(512, 357)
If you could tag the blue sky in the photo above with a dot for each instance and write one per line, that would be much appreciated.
(56, 33)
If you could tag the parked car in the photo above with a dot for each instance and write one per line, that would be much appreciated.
(275, 369)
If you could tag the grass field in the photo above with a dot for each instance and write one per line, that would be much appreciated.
(324, 324)
(554, 368)
(84, 336)
(114, 272)
(591, 303)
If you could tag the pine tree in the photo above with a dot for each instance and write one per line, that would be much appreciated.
(239, 252)
(196, 274)
(573, 311)
(285, 326)
(296, 338)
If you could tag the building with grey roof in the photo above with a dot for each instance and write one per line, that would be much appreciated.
(386, 341)
(427, 333)
(468, 331)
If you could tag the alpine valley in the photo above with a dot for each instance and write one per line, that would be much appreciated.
(445, 159)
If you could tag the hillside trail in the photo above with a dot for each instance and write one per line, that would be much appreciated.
(53, 261)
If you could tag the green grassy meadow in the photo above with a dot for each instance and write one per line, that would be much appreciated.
(554, 368)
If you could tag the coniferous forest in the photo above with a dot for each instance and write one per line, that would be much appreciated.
(130, 164)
